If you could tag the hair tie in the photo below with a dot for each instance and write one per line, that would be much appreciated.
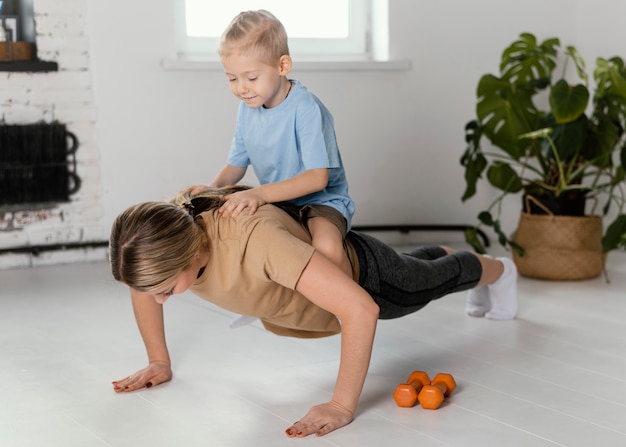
(187, 206)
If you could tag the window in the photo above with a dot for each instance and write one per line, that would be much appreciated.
(317, 29)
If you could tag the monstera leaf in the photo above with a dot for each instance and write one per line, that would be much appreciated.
(505, 107)
(610, 76)
(505, 112)
(525, 62)
(609, 117)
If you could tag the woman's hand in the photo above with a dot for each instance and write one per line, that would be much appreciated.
(236, 202)
(155, 373)
(321, 420)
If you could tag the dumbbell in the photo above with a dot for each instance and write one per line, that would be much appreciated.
(431, 396)
(406, 394)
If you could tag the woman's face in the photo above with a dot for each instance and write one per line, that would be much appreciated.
(181, 282)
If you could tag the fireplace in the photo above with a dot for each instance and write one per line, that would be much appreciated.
(37, 164)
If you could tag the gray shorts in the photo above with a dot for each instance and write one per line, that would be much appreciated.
(404, 283)
(327, 212)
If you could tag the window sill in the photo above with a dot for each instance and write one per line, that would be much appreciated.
(330, 65)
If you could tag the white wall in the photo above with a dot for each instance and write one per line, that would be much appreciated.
(401, 133)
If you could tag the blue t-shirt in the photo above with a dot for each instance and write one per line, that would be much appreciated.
(295, 136)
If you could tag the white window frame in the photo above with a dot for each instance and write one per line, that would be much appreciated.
(356, 47)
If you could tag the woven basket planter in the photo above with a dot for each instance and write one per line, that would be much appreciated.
(559, 247)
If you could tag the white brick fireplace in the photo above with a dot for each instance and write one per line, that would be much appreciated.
(65, 96)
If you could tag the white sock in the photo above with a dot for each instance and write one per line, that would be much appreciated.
(503, 293)
(478, 302)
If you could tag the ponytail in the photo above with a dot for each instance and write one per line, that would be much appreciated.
(206, 200)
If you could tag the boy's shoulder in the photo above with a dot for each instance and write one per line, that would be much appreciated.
(305, 97)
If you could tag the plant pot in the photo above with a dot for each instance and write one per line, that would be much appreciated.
(559, 247)
(571, 203)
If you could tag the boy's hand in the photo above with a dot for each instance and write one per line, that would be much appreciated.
(236, 202)
(196, 189)
(155, 373)
(321, 420)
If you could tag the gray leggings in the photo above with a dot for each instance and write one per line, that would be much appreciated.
(404, 283)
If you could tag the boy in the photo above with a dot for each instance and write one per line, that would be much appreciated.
(285, 133)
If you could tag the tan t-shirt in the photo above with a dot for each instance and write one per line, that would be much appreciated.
(254, 265)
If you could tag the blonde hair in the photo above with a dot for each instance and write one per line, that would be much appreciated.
(152, 242)
(257, 33)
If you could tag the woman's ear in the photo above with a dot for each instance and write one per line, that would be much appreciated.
(284, 65)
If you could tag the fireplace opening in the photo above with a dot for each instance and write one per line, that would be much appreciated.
(37, 164)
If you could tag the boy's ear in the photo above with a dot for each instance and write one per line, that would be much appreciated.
(285, 64)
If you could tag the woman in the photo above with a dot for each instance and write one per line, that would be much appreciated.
(263, 265)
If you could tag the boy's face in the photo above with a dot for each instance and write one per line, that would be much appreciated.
(255, 82)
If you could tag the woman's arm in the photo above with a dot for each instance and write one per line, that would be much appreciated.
(149, 317)
(327, 286)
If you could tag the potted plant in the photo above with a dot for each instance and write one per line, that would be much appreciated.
(550, 139)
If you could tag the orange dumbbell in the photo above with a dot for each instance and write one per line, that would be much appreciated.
(431, 396)
(406, 394)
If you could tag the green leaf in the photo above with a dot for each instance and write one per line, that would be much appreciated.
(579, 62)
(610, 77)
(567, 102)
(505, 112)
(615, 235)
(473, 133)
(570, 137)
(471, 237)
(503, 176)
(541, 133)
(473, 158)
(474, 168)
(502, 239)
(486, 218)
(609, 101)
(524, 61)
(517, 248)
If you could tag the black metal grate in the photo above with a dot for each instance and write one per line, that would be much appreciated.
(37, 163)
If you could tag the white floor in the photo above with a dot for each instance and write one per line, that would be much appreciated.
(556, 376)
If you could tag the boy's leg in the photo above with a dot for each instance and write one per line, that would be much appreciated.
(328, 240)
